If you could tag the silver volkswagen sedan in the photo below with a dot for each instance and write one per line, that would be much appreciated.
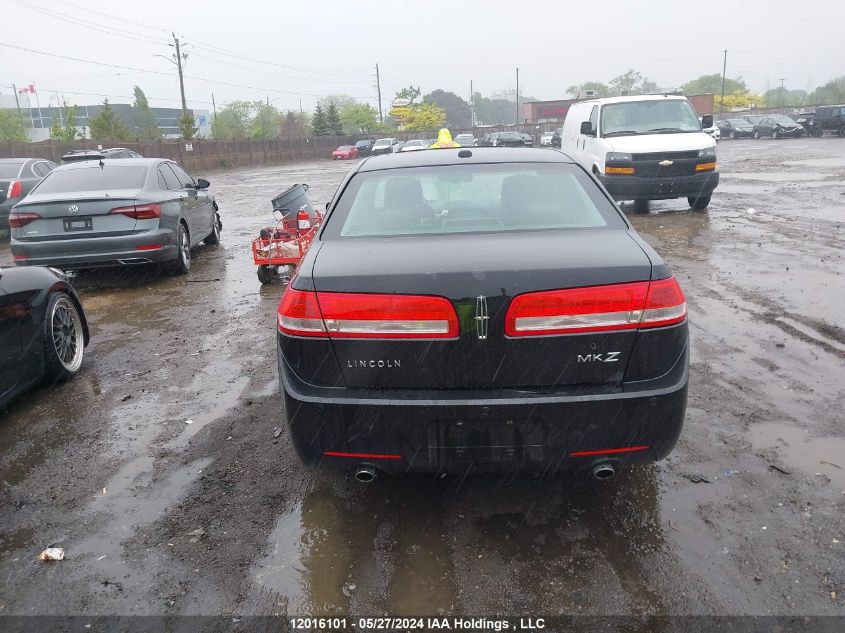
(113, 213)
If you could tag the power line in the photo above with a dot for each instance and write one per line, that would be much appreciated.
(264, 72)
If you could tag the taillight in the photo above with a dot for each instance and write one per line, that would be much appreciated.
(18, 219)
(303, 221)
(627, 306)
(345, 315)
(15, 189)
(139, 211)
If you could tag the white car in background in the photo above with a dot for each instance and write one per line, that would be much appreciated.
(546, 139)
(713, 131)
(414, 145)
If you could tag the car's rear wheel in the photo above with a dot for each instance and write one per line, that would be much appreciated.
(841, 132)
(64, 338)
(182, 264)
(641, 206)
(700, 203)
(732, 135)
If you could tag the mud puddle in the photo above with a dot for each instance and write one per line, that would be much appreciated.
(801, 451)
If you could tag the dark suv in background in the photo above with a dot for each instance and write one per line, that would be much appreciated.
(830, 119)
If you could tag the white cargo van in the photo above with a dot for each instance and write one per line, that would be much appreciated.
(642, 148)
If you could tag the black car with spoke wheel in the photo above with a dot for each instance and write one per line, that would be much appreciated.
(43, 329)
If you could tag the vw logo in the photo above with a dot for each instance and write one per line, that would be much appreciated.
(73, 209)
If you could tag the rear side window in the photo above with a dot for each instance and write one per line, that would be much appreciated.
(41, 168)
(470, 198)
(106, 178)
(10, 170)
(166, 174)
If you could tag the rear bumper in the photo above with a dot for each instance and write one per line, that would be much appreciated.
(634, 188)
(96, 251)
(487, 431)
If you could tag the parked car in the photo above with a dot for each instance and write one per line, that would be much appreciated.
(546, 139)
(345, 152)
(509, 139)
(778, 126)
(43, 329)
(527, 140)
(807, 121)
(75, 155)
(735, 128)
(753, 119)
(364, 147)
(114, 213)
(556, 137)
(489, 139)
(642, 148)
(830, 119)
(465, 140)
(576, 322)
(414, 145)
(17, 178)
(383, 146)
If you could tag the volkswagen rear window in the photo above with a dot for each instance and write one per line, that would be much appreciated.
(470, 198)
(97, 178)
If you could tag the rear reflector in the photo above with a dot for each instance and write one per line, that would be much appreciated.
(148, 247)
(20, 219)
(628, 306)
(361, 455)
(610, 451)
(19, 256)
(345, 315)
(15, 189)
(139, 211)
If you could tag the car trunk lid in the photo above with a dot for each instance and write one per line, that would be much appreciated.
(480, 275)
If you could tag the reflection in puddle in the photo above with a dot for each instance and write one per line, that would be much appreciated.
(812, 455)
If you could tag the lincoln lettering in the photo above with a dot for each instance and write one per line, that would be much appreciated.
(373, 363)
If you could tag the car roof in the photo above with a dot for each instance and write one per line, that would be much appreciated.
(435, 157)
(18, 161)
(123, 162)
(607, 100)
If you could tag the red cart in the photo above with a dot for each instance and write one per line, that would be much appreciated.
(278, 251)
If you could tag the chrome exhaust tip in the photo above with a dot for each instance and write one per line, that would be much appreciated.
(604, 470)
(365, 473)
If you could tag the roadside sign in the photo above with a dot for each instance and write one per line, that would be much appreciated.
(400, 112)
(202, 119)
(400, 103)
(189, 147)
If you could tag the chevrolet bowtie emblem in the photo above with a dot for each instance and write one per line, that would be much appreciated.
(482, 318)
(665, 163)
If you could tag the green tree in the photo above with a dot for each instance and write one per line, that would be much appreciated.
(783, 97)
(410, 93)
(712, 84)
(266, 121)
(333, 124)
(340, 102)
(830, 93)
(580, 90)
(424, 116)
(63, 127)
(146, 124)
(458, 113)
(12, 126)
(296, 124)
(358, 118)
(187, 126)
(233, 121)
(319, 122)
(107, 125)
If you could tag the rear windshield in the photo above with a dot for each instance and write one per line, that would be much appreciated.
(94, 179)
(10, 170)
(470, 198)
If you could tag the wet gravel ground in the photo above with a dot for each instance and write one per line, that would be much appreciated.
(161, 516)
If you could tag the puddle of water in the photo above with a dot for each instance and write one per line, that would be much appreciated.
(779, 176)
(799, 450)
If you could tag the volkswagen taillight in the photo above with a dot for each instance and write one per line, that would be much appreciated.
(628, 306)
(348, 315)
(18, 219)
(139, 211)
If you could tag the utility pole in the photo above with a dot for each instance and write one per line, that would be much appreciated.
(179, 59)
(214, 105)
(471, 106)
(517, 96)
(724, 68)
(300, 106)
(17, 101)
(782, 109)
(378, 87)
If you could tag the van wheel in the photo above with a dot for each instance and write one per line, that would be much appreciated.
(641, 206)
(841, 132)
(699, 204)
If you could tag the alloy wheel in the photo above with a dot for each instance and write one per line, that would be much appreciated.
(67, 334)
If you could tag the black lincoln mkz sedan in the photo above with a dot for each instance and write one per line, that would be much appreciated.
(484, 309)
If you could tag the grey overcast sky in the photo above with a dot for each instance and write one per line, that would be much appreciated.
(289, 51)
